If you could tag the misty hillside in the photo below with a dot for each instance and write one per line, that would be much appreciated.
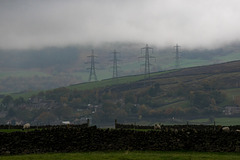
(183, 94)
(53, 67)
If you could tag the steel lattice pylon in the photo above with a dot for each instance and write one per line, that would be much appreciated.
(115, 64)
(177, 63)
(147, 58)
(92, 67)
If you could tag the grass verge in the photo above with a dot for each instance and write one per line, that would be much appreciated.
(126, 155)
(15, 130)
(225, 121)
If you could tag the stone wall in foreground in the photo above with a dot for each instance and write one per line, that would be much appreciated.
(73, 139)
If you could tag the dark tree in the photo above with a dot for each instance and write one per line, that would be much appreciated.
(7, 100)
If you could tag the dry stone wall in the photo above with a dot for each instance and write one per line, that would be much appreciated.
(73, 139)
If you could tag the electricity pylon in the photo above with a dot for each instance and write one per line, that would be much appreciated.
(177, 63)
(115, 64)
(147, 58)
(92, 68)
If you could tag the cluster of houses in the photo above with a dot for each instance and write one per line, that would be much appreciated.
(231, 110)
(37, 104)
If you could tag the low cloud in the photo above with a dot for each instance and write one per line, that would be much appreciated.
(31, 24)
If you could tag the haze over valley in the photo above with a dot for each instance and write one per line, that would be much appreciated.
(45, 56)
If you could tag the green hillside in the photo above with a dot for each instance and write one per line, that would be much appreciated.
(174, 96)
(56, 67)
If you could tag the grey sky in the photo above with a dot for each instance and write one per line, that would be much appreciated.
(192, 23)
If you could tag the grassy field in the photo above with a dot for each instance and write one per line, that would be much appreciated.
(15, 130)
(144, 155)
(219, 121)
(10, 130)
(229, 57)
(109, 82)
(92, 85)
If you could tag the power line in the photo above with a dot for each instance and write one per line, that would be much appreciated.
(115, 64)
(92, 67)
(177, 63)
(147, 58)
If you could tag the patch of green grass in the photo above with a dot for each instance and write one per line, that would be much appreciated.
(199, 121)
(126, 155)
(101, 74)
(25, 95)
(10, 130)
(109, 82)
(229, 57)
(219, 121)
(218, 59)
(227, 121)
(15, 130)
(93, 85)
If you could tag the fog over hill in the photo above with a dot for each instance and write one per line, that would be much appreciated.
(30, 24)
(50, 40)
(52, 67)
(77, 56)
